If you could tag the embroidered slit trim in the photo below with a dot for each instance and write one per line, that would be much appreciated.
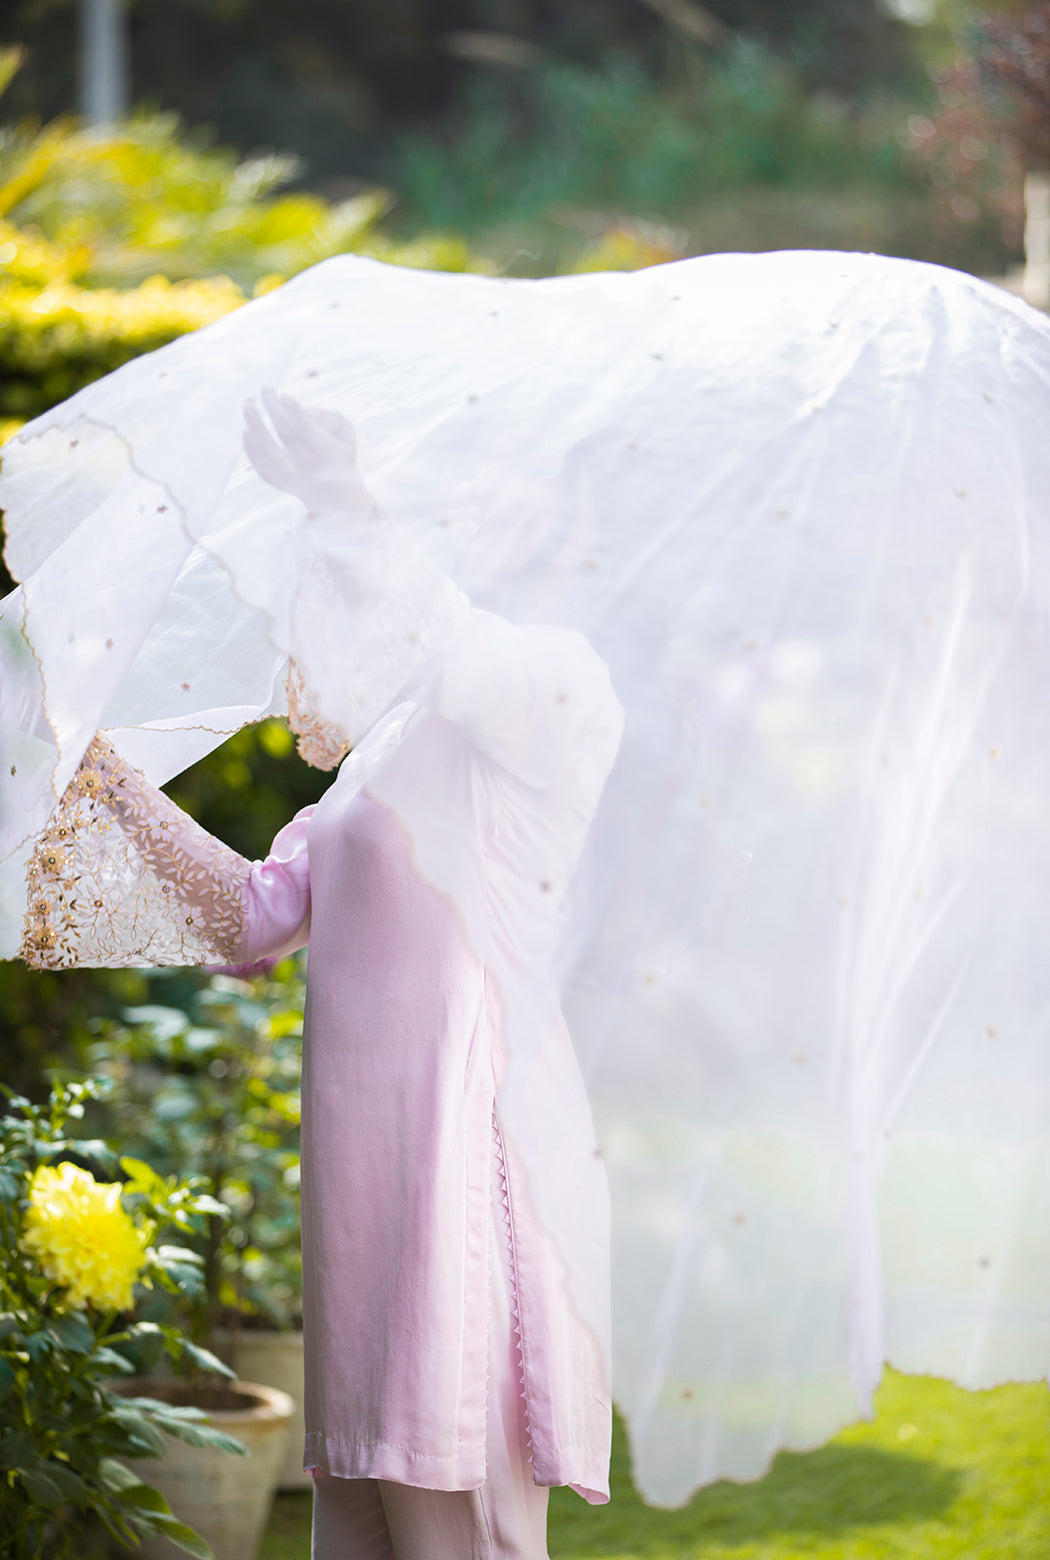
(515, 1308)
(321, 743)
(122, 876)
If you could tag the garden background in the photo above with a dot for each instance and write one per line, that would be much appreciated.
(519, 137)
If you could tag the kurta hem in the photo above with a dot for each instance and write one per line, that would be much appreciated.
(398, 1464)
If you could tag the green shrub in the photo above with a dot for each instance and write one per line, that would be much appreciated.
(206, 1073)
(74, 1251)
(57, 335)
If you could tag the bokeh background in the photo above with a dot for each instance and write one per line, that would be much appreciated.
(162, 161)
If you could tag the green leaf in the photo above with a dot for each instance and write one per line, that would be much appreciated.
(72, 1331)
(7, 1380)
(207, 1360)
(180, 1254)
(71, 1485)
(147, 1330)
(10, 1186)
(199, 1433)
(145, 1498)
(201, 1041)
(116, 1475)
(98, 1150)
(181, 1267)
(142, 1177)
(113, 1363)
(41, 1487)
(165, 1022)
(17, 1448)
(38, 1346)
(205, 1203)
(184, 1537)
(142, 1433)
(117, 1527)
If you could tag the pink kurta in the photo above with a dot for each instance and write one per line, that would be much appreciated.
(429, 882)
(404, 1050)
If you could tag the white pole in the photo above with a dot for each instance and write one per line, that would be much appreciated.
(1036, 284)
(103, 61)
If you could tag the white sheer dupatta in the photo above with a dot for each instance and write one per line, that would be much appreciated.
(800, 506)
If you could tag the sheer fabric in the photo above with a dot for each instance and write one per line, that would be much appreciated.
(797, 504)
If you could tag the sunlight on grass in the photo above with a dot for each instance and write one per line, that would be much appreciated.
(941, 1474)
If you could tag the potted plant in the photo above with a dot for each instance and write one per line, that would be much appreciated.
(75, 1457)
(208, 1075)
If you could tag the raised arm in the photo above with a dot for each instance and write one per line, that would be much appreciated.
(122, 876)
(378, 621)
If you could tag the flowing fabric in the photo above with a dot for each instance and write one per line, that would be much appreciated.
(799, 505)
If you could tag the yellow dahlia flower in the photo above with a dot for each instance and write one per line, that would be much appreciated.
(83, 1238)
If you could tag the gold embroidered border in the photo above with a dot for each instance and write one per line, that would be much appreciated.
(122, 876)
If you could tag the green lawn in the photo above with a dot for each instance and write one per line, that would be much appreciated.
(941, 1474)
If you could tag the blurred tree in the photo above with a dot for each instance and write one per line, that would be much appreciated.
(1013, 57)
(991, 119)
(331, 78)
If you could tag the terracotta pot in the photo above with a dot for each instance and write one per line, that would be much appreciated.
(226, 1498)
(276, 1359)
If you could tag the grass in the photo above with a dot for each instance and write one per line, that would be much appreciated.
(940, 1474)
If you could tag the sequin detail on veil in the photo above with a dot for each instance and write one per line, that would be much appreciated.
(321, 743)
(122, 876)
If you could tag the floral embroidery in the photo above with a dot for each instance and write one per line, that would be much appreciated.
(321, 743)
(121, 876)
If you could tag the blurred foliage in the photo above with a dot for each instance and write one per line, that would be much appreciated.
(1012, 55)
(334, 79)
(626, 245)
(738, 155)
(152, 199)
(250, 787)
(206, 1083)
(56, 336)
(609, 139)
(990, 119)
(111, 246)
(46, 1018)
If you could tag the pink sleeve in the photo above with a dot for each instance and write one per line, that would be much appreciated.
(277, 895)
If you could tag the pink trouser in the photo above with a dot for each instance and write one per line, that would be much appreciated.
(506, 1519)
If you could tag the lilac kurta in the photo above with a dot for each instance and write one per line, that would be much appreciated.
(429, 882)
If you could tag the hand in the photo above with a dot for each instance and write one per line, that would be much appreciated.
(311, 454)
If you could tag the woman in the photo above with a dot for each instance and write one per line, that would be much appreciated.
(797, 504)
(451, 1375)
